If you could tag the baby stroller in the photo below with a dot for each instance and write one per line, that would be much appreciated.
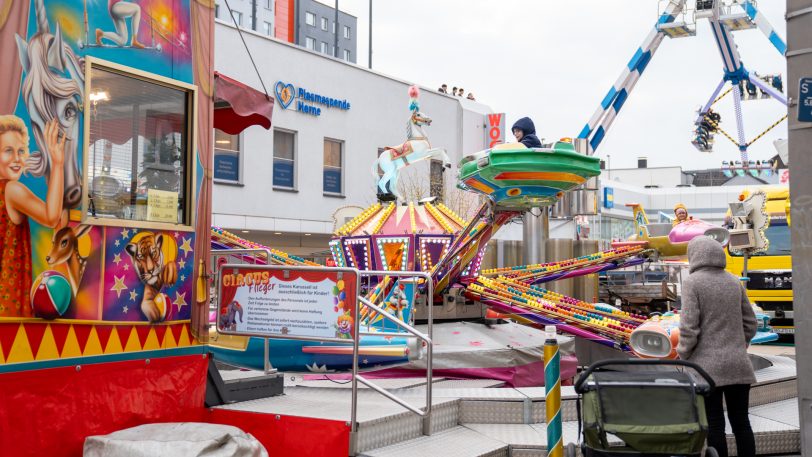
(646, 411)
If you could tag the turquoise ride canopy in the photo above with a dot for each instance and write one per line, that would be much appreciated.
(519, 178)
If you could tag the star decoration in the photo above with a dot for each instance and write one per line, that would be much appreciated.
(186, 247)
(365, 361)
(180, 300)
(117, 259)
(126, 267)
(119, 285)
(125, 233)
(177, 234)
(118, 243)
(182, 264)
(125, 309)
(133, 295)
(182, 278)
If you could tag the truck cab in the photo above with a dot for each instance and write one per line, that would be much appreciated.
(770, 272)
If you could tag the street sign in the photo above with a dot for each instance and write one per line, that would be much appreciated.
(805, 100)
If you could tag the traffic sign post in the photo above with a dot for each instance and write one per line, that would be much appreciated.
(805, 100)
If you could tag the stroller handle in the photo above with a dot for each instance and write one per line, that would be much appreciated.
(579, 384)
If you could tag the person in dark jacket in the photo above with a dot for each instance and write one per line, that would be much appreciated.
(525, 133)
(716, 326)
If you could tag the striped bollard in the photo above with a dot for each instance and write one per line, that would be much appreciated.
(552, 401)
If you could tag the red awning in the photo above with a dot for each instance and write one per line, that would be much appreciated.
(244, 106)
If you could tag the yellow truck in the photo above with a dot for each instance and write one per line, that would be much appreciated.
(770, 272)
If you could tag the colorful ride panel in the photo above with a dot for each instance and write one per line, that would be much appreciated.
(518, 178)
(411, 237)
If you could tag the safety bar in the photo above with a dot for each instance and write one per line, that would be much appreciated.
(425, 413)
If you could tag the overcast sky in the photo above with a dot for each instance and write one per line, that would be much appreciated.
(554, 60)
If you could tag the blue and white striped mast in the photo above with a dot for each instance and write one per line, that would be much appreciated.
(595, 130)
(734, 71)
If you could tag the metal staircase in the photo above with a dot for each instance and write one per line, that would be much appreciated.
(481, 418)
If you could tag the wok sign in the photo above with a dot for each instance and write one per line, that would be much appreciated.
(287, 302)
(494, 129)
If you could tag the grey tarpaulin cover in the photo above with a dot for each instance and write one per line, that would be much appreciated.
(185, 439)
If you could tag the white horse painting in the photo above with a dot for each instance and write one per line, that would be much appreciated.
(416, 148)
(53, 88)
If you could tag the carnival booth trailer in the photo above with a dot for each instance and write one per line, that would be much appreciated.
(106, 116)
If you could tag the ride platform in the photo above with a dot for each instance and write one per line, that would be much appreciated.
(470, 417)
(517, 178)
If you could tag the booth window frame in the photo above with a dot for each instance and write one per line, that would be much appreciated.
(191, 151)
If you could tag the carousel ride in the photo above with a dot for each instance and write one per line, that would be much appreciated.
(428, 237)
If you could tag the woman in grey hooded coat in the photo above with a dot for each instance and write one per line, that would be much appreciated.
(716, 326)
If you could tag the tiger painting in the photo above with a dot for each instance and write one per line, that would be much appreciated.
(154, 273)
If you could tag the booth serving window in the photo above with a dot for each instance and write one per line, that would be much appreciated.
(284, 159)
(139, 150)
(332, 178)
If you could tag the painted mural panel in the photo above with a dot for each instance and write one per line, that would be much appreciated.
(52, 266)
(149, 275)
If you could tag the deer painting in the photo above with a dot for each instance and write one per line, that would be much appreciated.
(65, 249)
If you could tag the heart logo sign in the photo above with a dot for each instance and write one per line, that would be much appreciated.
(285, 93)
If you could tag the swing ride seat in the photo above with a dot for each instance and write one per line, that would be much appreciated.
(518, 178)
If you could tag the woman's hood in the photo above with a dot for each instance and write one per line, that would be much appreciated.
(705, 252)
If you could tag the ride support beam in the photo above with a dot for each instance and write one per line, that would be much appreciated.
(710, 102)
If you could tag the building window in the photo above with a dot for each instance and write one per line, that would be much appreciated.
(217, 11)
(324, 23)
(139, 155)
(268, 28)
(324, 47)
(332, 167)
(268, 4)
(347, 55)
(347, 32)
(237, 17)
(310, 43)
(284, 159)
(227, 157)
(310, 18)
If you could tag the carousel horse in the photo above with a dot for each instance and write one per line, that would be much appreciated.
(416, 148)
(53, 88)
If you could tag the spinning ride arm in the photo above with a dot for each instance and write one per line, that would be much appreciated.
(764, 25)
(595, 130)
(470, 240)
